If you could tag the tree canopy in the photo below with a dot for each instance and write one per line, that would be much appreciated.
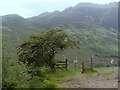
(40, 49)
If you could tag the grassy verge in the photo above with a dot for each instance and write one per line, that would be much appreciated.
(54, 76)
(89, 70)
(60, 73)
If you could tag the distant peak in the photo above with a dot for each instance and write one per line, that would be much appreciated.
(56, 11)
(45, 13)
(85, 4)
(13, 16)
(81, 5)
(113, 4)
(96, 5)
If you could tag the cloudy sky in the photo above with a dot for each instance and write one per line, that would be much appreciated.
(28, 8)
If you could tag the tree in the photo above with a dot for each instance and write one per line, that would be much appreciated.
(41, 49)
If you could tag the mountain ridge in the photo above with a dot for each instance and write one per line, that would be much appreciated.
(72, 13)
(96, 28)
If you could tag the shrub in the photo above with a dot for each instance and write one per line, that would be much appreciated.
(49, 84)
(14, 74)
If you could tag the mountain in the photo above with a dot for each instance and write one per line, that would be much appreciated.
(83, 15)
(94, 25)
(14, 30)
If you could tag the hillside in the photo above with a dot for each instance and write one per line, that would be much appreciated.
(94, 25)
(14, 30)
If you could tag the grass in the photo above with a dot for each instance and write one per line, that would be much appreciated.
(59, 73)
(71, 72)
(90, 71)
(54, 76)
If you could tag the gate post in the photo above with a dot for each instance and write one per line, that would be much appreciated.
(66, 64)
(83, 67)
(91, 60)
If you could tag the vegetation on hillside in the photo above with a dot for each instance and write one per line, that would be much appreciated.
(29, 58)
(97, 30)
(35, 59)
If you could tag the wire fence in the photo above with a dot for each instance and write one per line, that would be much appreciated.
(90, 59)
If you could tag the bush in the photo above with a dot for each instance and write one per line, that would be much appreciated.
(14, 75)
(107, 65)
(89, 70)
(38, 71)
(49, 84)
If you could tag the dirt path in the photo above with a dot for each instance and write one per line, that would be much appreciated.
(104, 78)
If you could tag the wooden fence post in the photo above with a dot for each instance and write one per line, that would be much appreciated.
(91, 61)
(83, 67)
(66, 64)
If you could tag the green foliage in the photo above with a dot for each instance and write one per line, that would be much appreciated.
(97, 40)
(46, 83)
(41, 72)
(15, 74)
(60, 73)
(41, 49)
(50, 84)
(16, 29)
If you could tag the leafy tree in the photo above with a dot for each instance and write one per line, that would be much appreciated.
(41, 49)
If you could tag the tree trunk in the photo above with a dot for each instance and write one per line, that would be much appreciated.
(52, 67)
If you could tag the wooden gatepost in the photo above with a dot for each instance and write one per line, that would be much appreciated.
(62, 65)
(83, 67)
(91, 61)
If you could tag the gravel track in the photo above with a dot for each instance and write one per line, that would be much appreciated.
(104, 78)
